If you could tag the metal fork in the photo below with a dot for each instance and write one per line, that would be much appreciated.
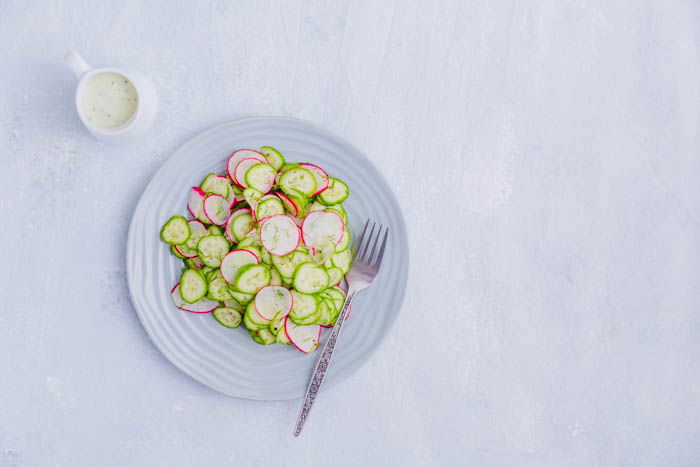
(365, 268)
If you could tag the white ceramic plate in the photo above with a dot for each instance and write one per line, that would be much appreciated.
(227, 359)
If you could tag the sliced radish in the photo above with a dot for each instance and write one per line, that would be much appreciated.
(217, 209)
(321, 227)
(273, 301)
(235, 260)
(200, 306)
(304, 338)
(252, 252)
(241, 169)
(184, 251)
(195, 200)
(279, 235)
(320, 175)
(288, 203)
(231, 198)
(238, 156)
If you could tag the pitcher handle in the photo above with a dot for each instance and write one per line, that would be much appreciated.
(77, 63)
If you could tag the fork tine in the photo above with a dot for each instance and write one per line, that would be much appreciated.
(366, 241)
(378, 261)
(370, 255)
(358, 242)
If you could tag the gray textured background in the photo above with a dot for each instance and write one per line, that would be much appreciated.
(546, 158)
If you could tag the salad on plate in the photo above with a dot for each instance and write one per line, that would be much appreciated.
(267, 245)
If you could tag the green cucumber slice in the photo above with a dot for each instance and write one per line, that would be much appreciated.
(273, 156)
(212, 249)
(336, 193)
(303, 306)
(335, 275)
(218, 287)
(214, 184)
(342, 260)
(193, 285)
(251, 278)
(228, 317)
(269, 207)
(260, 177)
(176, 231)
(310, 278)
(298, 178)
(241, 225)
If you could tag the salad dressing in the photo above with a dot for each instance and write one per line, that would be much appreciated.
(108, 100)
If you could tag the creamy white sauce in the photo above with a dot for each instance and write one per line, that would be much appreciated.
(108, 100)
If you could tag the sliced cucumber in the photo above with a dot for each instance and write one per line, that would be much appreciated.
(298, 178)
(254, 316)
(319, 174)
(303, 306)
(265, 256)
(212, 249)
(242, 298)
(344, 241)
(342, 260)
(277, 323)
(218, 287)
(265, 337)
(250, 325)
(269, 207)
(260, 177)
(176, 231)
(251, 278)
(198, 230)
(335, 275)
(228, 228)
(299, 200)
(310, 278)
(241, 225)
(194, 263)
(339, 209)
(216, 184)
(336, 193)
(193, 285)
(206, 270)
(286, 265)
(227, 316)
(275, 278)
(214, 230)
(252, 197)
(282, 334)
(275, 157)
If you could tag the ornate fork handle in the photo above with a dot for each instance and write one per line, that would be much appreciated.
(322, 366)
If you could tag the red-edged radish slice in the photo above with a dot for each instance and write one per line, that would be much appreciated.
(241, 169)
(231, 198)
(253, 253)
(273, 301)
(234, 260)
(321, 227)
(184, 251)
(279, 235)
(304, 338)
(288, 204)
(217, 209)
(195, 200)
(320, 175)
(238, 156)
(200, 306)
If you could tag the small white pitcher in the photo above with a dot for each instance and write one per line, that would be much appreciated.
(146, 109)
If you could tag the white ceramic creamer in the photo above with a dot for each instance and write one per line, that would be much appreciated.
(116, 105)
